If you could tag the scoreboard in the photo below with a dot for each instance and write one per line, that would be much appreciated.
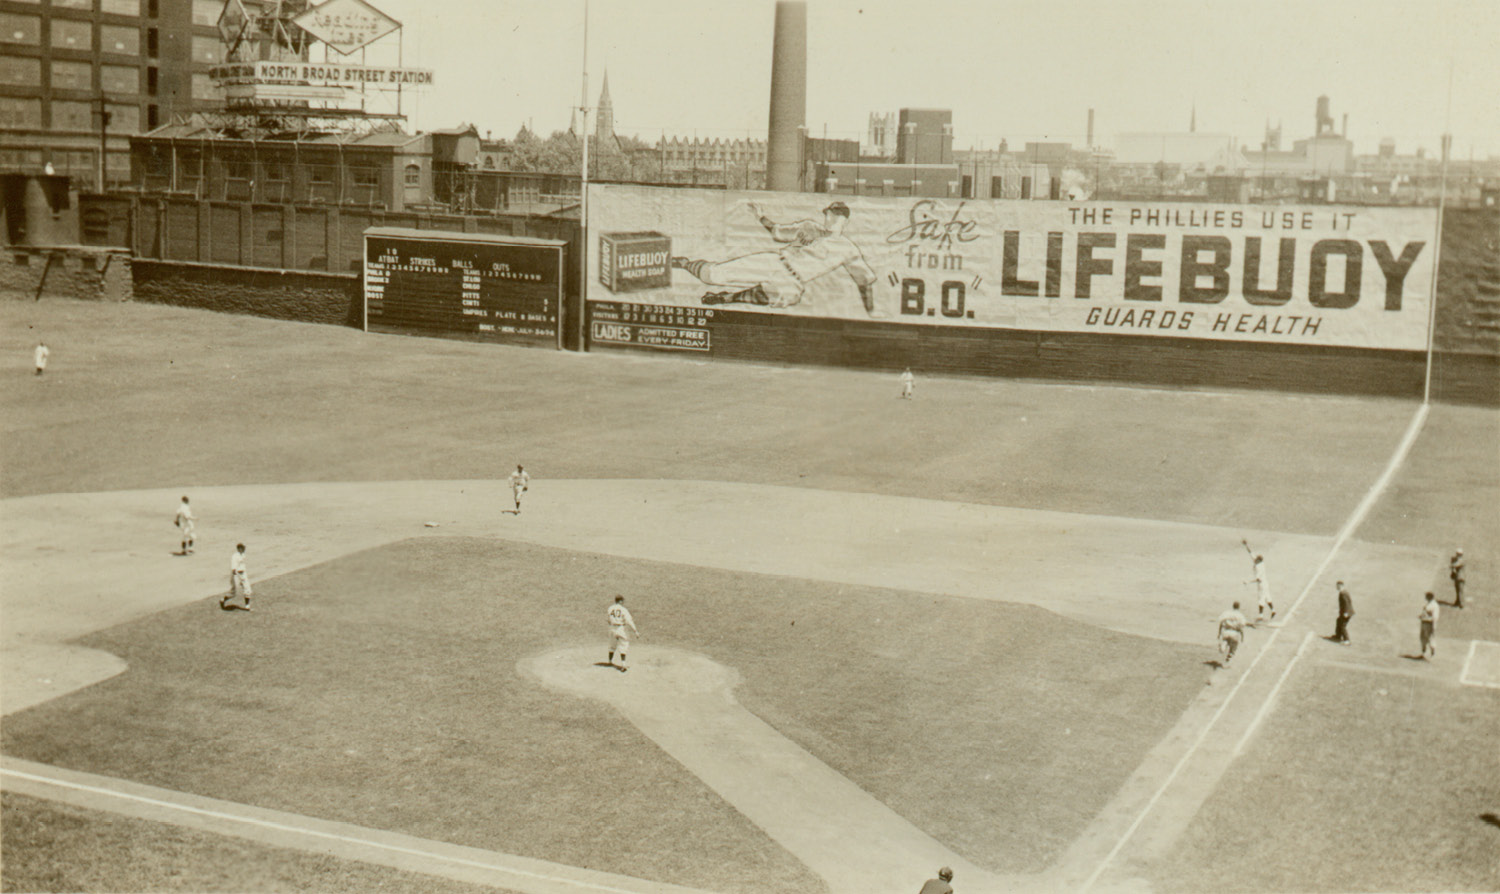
(463, 285)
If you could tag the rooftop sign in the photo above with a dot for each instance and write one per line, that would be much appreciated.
(346, 25)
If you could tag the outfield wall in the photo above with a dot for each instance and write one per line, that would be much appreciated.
(199, 254)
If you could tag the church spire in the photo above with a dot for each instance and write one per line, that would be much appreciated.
(604, 125)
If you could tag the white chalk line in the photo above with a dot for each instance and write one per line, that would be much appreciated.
(1469, 659)
(315, 833)
(1412, 430)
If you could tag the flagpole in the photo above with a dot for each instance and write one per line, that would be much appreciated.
(1437, 251)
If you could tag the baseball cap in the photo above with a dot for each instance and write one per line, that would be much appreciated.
(837, 208)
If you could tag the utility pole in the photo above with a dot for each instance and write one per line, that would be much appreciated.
(103, 137)
(583, 192)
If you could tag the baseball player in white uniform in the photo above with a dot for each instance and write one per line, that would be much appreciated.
(40, 355)
(239, 582)
(185, 519)
(520, 482)
(1262, 591)
(619, 621)
(907, 383)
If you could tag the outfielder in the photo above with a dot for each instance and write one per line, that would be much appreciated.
(40, 355)
(1231, 633)
(520, 482)
(239, 582)
(619, 620)
(779, 278)
(907, 383)
(184, 521)
(1262, 591)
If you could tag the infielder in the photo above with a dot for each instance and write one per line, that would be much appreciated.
(1231, 633)
(907, 383)
(520, 482)
(184, 521)
(239, 582)
(939, 885)
(619, 620)
(1428, 616)
(1456, 574)
(1262, 591)
(779, 278)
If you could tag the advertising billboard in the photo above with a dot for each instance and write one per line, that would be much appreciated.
(1346, 276)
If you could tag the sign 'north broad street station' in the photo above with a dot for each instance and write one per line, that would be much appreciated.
(319, 73)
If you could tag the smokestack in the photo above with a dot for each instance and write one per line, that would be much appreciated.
(1345, 133)
(788, 97)
(1091, 129)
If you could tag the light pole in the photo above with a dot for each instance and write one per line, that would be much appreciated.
(583, 190)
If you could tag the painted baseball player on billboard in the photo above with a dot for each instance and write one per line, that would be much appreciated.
(780, 277)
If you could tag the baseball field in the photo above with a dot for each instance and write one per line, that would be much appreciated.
(877, 636)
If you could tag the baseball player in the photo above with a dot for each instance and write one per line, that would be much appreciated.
(1262, 591)
(239, 582)
(939, 885)
(1456, 574)
(619, 620)
(41, 354)
(519, 483)
(779, 278)
(1428, 616)
(907, 383)
(184, 521)
(1231, 633)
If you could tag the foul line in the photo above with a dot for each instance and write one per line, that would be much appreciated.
(1468, 660)
(303, 830)
(1412, 430)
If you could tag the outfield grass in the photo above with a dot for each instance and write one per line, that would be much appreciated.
(382, 689)
(142, 396)
(1350, 789)
(58, 847)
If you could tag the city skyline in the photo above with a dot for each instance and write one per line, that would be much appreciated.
(703, 69)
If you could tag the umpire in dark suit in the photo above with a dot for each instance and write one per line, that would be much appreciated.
(1346, 611)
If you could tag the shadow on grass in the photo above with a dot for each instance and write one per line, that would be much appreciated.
(1410, 657)
(1491, 818)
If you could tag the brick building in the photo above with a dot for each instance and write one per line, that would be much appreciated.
(144, 61)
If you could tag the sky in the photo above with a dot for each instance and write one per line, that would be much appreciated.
(1017, 70)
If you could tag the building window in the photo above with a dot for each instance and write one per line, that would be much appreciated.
(72, 116)
(72, 76)
(153, 8)
(153, 117)
(237, 166)
(120, 79)
(16, 111)
(413, 175)
(20, 29)
(72, 4)
(204, 89)
(277, 171)
(120, 39)
(120, 7)
(206, 12)
(153, 77)
(208, 50)
(125, 119)
(364, 175)
(18, 71)
(151, 42)
(320, 173)
(69, 35)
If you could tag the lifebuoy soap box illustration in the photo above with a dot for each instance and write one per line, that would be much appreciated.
(631, 262)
